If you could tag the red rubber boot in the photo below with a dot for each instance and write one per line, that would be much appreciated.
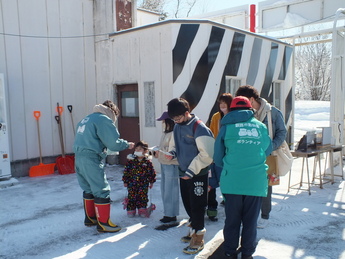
(89, 209)
(103, 216)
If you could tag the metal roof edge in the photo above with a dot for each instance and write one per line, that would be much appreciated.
(199, 21)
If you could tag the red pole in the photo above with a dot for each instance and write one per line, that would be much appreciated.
(252, 18)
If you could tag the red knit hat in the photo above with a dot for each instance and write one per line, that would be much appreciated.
(240, 102)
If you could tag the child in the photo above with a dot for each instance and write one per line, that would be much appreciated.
(138, 176)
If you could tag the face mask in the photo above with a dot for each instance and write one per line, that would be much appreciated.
(224, 110)
(136, 153)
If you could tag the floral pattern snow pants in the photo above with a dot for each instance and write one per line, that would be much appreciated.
(137, 176)
(137, 197)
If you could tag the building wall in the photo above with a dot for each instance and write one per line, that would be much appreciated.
(145, 17)
(58, 51)
(142, 57)
(103, 54)
(47, 56)
(236, 16)
(192, 59)
(216, 53)
(277, 15)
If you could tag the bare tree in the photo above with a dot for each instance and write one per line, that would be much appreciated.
(179, 8)
(183, 8)
(313, 68)
(190, 6)
(155, 6)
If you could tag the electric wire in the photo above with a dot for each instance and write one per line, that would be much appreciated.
(53, 37)
(106, 34)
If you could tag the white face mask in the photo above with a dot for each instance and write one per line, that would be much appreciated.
(137, 153)
(224, 110)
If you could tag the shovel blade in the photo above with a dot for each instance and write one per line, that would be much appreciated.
(41, 169)
(65, 165)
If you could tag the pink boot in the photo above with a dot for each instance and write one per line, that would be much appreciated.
(151, 208)
(146, 212)
(131, 213)
(143, 212)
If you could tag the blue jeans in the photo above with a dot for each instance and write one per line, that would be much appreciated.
(241, 209)
(170, 189)
(266, 204)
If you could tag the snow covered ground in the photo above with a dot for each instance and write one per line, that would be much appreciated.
(42, 217)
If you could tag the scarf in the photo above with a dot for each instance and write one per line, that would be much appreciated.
(265, 107)
(105, 110)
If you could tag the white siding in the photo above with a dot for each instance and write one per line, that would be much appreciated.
(145, 56)
(146, 17)
(46, 60)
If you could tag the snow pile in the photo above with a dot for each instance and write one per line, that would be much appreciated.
(310, 115)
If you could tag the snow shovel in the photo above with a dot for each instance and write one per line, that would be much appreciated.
(59, 110)
(41, 169)
(65, 164)
(70, 107)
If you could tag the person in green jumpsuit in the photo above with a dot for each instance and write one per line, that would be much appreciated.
(95, 134)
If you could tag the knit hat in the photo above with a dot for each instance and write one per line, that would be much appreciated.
(240, 102)
(163, 116)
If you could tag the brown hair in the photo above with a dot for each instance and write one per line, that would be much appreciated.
(227, 98)
(248, 91)
(112, 106)
(142, 144)
(169, 125)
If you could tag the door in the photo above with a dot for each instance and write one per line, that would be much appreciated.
(128, 121)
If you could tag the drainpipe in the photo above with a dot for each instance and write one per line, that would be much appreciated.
(337, 123)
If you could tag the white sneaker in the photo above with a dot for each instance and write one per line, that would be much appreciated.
(262, 223)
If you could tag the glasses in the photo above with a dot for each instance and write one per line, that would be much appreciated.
(177, 119)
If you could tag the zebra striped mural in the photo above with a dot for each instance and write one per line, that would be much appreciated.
(205, 54)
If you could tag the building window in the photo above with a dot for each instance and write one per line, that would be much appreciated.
(129, 104)
(232, 84)
(149, 104)
(277, 94)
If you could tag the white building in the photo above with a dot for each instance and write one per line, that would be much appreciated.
(53, 52)
(73, 53)
(197, 60)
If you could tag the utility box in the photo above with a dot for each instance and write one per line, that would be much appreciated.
(5, 162)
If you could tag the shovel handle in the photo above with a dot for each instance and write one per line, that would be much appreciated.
(37, 114)
(57, 118)
(59, 109)
(70, 107)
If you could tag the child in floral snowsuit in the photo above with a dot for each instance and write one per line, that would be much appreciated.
(138, 176)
